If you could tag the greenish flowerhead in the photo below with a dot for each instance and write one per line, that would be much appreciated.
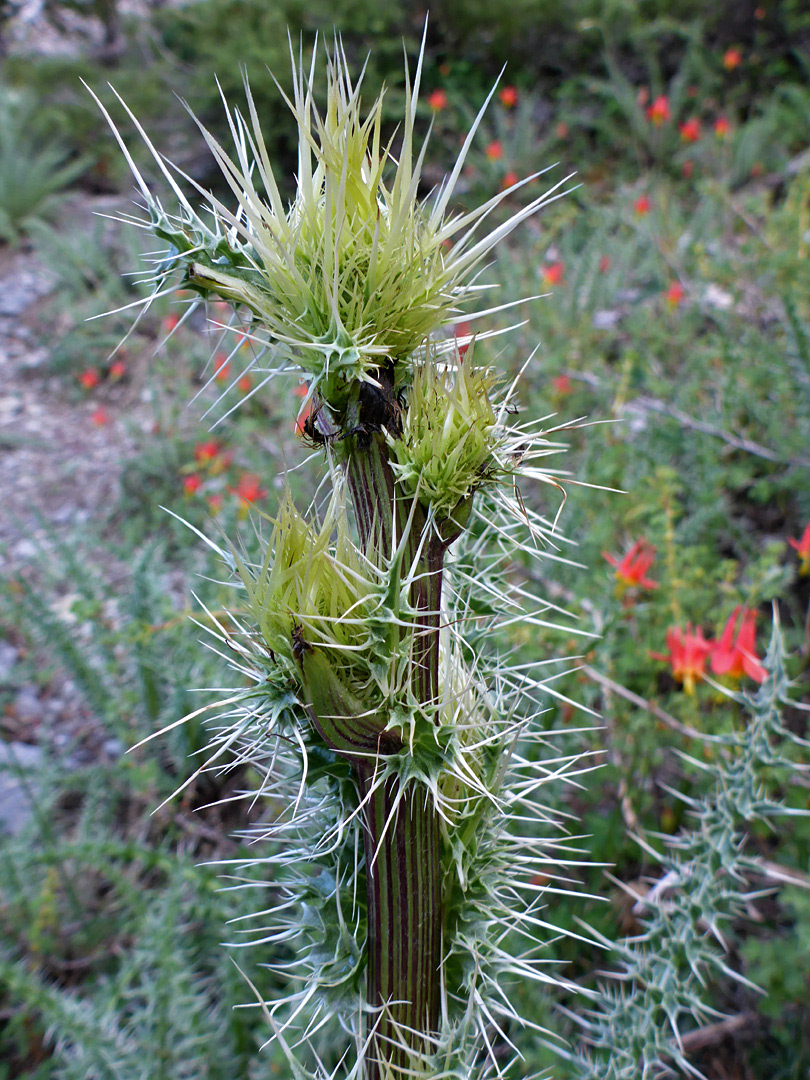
(449, 435)
(359, 269)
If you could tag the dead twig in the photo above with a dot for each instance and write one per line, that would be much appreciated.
(715, 1033)
(642, 703)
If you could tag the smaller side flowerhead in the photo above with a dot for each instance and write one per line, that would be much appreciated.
(688, 652)
(632, 568)
(802, 547)
(733, 654)
(449, 434)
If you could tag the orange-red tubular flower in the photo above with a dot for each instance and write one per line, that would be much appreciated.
(736, 656)
(632, 568)
(688, 651)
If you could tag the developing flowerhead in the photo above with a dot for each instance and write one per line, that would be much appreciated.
(312, 589)
(449, 434)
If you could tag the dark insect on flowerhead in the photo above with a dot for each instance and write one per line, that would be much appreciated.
(299, 644)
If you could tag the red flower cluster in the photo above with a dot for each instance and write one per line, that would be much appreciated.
(494, 151)
(508, 96)
(212, 456)
(642, 205)
(732, 655)
(437, 100)
(211, 459)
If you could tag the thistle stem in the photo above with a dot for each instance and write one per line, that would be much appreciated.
(403, 881)
(402, 828)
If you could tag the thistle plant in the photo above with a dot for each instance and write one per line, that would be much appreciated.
(392, 733)
(664, 972)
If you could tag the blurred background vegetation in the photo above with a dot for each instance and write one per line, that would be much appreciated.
(677, 324)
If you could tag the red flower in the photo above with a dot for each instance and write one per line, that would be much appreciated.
(690, 130)
(494, 151)
(437, 100)
(100, 416)
(192, 484)
(118, 369)
(90, 378)
(642, 205)
(508, 96)
(221, 367)
(205, 452)
(732, 58)
(169, 323)
(562, 130)
(604, 264)
(687, 169)
(802, 546)
(721, 127)
(301, 419)
(552, 274)
(462, 329)
(509, 180)
(215, 503)
(687, 655)
(245, 384)
(659, 111)
(249, 489)
(737, 657)
(675, 294)
(632, 568)
(561, 384)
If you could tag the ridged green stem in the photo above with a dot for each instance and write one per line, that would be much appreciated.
(402, 829)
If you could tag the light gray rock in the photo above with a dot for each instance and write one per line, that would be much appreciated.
(8, 658)
(19, 763)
